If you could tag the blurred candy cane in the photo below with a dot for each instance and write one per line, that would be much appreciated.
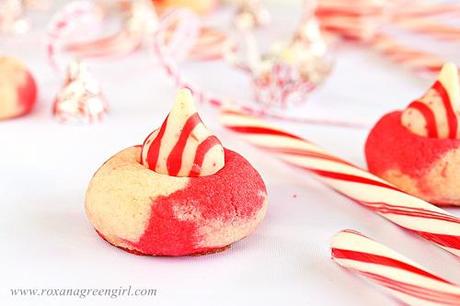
(66, 21)
(212, 45)
(413, 214)
(139, 23)
(402, 278)
(430, 9)
(367, 21)
(363, 19)
(421, 62)
(354, 19)
(433, 29)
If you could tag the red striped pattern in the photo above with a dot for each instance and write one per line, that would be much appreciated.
(428, 115)
(154, 147)
(450, 114)
(201, 151)
(418, 61)
(434, 122)
(378, 259)
(174, 159)
(415, 291)
(385, 267)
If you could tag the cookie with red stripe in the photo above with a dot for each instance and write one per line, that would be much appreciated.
(18, 90)
(418, 149)
(180, 193)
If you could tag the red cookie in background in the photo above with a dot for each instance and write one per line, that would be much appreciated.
(18, 90)
(180, 193)
(418, 149)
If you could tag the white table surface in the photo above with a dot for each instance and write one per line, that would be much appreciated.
(47, 242)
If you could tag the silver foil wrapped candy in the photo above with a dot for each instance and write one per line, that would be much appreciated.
(80, 100)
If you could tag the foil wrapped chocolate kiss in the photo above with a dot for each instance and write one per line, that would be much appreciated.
(80, 100)
(289, 73)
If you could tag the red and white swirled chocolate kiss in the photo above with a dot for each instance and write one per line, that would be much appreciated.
(183, 146)
(437, 113)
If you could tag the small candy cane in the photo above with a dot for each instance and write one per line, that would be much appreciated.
(402, 278)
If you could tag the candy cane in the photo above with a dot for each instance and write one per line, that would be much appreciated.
(433, 29)
(360, 19)
(121, 43)
(428, 10)
(65, 22)
(409, 212)
(211, 45)
(367, 22)
(140, 20)
(402, 278)
(418, 61)
(356, 19)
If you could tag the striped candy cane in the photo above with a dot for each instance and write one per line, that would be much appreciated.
(420, 62)
(353, 19)
(367, 20)
(402, 278)
(139, 24)
(409, 212)
(433, 29)
(211, 45)
(428, 9)
(66, 21)
(362, 19)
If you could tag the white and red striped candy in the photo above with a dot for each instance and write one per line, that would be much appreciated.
(80, 100)
(183, 146)
(66, 22)
(436, 114)
(433, 29)
(211, 44)
(419, 61)
(402, 278)
(409, 212)
(353, 19)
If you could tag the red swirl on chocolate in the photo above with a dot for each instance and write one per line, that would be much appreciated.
(183, 146)
(436, 114)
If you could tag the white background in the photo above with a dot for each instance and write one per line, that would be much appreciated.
(47, 242)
